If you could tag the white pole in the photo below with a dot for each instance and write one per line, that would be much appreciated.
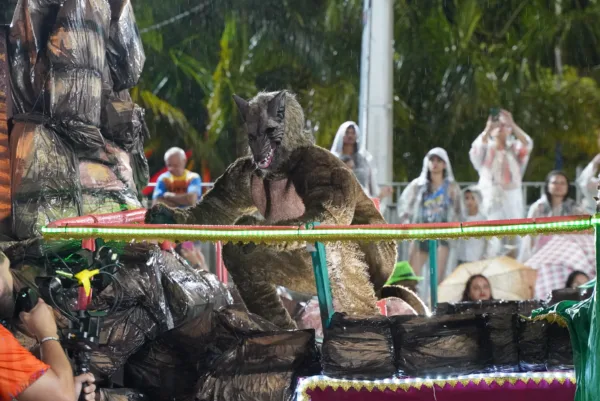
(379, 101)
(557, 50)
(364, 70)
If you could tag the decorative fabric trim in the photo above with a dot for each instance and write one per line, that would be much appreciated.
(323, 382)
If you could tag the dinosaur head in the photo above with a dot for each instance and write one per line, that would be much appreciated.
(274, 123)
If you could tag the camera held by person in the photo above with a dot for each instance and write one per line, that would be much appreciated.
(24, 377)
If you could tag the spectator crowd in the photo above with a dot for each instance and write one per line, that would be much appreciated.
(500, 155)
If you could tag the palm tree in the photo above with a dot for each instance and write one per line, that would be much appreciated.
(260, 45)
(453, 61)
(456, 59)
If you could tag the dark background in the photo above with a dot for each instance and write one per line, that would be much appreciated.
(6, 10)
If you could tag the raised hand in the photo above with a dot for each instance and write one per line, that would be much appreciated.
(40, 322)
(89, 391)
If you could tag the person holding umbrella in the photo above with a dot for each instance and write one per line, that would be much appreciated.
(503, 277)
(478, 288)
(576, 279)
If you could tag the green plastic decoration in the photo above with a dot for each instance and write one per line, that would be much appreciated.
(584, 330)
(579, 317)
(433, 273)
(268, 234)
(318, 254)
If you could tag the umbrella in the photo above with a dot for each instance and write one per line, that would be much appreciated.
(558, 257)
(510, 280)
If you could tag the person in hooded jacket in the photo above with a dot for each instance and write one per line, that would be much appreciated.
(554, 202)
(347, 143)
(588, 181)
(434, 197)
(500, 155)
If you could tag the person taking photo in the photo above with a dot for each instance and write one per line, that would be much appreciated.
(24, 377)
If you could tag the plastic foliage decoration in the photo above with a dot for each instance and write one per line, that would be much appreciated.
(582, 320)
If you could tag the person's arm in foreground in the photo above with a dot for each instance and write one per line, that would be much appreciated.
(87, 380)
(57, 383)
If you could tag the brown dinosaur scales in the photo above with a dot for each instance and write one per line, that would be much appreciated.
(288, 181)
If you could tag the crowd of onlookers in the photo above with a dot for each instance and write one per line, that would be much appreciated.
(478, 287)
(499, 154)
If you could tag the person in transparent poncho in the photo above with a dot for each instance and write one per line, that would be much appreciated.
(588, 182)
(434, 197)
(347, 142)
(555, 201)
(500, 155)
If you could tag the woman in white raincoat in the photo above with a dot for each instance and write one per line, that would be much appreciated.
(347, 142)
(500, 155)
(588, 182)
(434, 197)
(554, 202)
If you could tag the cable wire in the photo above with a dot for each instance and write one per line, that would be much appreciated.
(176, 18)
(118, 292)
(63, 312)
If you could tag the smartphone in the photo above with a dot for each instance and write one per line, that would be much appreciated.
(495, 113)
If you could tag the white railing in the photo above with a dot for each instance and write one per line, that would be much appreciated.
(531, 190)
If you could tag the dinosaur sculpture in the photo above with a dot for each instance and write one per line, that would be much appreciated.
(289, 181)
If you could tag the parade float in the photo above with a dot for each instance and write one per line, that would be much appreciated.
(462, 351)
(151, 327)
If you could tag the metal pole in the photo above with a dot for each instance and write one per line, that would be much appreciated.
(557, 51)
(322, 280)
(380, 89)
(364, 68)
(433, 272)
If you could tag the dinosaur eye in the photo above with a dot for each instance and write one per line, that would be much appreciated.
(269, 131)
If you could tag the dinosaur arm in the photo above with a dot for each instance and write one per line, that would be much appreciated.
(229, 199)
(329, 196)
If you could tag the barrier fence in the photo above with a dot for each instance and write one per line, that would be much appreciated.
(122, 226)
(128, 225)
(532, 190)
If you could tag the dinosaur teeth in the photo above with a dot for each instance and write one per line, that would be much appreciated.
(266, 162)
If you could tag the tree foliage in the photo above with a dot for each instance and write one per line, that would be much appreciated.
(6, 11)
(454, 59)
(458, 59)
